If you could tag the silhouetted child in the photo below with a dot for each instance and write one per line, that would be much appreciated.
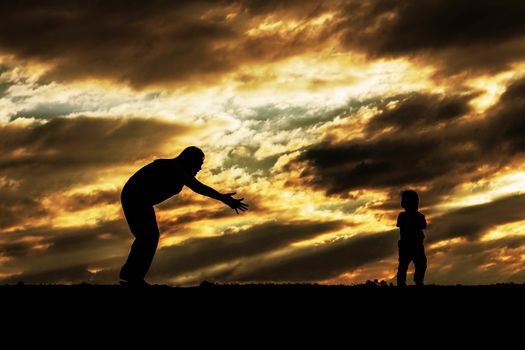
(411, 224)
(152, 184)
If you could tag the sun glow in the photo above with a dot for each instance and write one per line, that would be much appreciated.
(491, 88)
(513, 229)
(504, 183)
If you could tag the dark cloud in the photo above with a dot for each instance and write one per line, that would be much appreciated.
(206, 252)
(405, 155)
(159, 42)
(66, 275)
(426, 140)
(66, 151)
(166, 42)
(134, 43)
(333, 258)
(488, 36)
(15, 206)
(71, 252)
(471, 222)
(515, 93)
(51, 255)
(64, 241)
(69, 275)
(321, 262)
(210, 209)
(420, 111)
(82, 201)
(412, 25)
(477, 262)
(198, 215)
(257, 8)
(505, 127)
(41, 159)
(184, 198)
(4, 86)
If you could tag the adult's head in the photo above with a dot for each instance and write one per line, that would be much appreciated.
(410, 200)
(193, 158)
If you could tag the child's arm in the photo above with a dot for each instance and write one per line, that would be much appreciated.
(423, 222)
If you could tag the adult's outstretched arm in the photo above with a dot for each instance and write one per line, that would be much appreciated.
(227, 198)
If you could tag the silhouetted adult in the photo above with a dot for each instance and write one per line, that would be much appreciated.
(151, 185)
(411, 224)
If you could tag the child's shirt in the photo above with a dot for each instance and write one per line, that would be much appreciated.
(411, 225)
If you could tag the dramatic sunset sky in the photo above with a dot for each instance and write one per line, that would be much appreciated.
(318, 113)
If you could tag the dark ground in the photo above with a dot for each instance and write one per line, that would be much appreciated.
(264, 297)
(445, 310)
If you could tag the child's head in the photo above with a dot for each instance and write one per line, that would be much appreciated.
(410, 200)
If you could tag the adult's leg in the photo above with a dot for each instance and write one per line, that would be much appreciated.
(420, 263)
(143, 225)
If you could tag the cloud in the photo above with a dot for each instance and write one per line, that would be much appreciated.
(453, 35)
(263, 238)
(473, 221)
(92, 199)
(418, 111)
(57, 241)
(321, 262)
(68, 254)
(42, 160)
(329, 260)
(414, 150)
(422, 140)
(167, 43)
(134, 43)
(47, 111)
(44, 157)
(252, 250)
(277, 128)
(4, 86)
(505, 128)
(70, 274)
(198, 215)
(66, 275)
(155, 43)
(36, 254)
(333, 258)
(477, 262)
(15, 206)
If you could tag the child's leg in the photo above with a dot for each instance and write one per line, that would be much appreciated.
(420, 262)
(404, 261)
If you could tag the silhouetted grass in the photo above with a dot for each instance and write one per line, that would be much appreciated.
(285, 294)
